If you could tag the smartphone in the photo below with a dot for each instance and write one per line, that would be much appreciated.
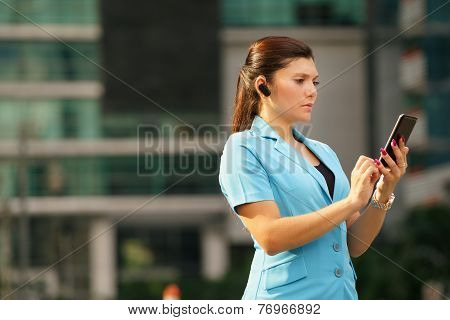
(404, 126)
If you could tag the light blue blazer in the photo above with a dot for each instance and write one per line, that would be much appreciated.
(257, 164)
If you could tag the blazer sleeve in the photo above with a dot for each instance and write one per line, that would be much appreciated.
(242, 177)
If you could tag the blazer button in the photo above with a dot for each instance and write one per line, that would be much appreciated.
(336, 247)
(338, 272)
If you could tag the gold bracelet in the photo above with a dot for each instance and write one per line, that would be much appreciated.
(383, 206)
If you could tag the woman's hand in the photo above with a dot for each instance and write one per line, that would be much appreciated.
(395, 170)
(364, 176)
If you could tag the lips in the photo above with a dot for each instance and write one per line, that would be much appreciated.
(307, 107)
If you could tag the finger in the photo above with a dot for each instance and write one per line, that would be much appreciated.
(383, 170)
(377, 173)
(374, 177)
(400, 159)
(403, 148)
(368, 172)
(401, 142)
(369, 164)
(406, 151)
(357, 165)
(391, 163)
(360, 161)
(365, 165)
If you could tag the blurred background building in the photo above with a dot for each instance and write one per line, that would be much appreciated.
(84, 83)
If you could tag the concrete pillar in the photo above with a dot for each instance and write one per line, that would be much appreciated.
(102, 259)
(215, 252)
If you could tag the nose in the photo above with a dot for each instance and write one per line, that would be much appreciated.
(311, 90)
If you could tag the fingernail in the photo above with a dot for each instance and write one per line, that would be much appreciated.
(377, 162)
(403, 139)
(394, 143)
(383, 152)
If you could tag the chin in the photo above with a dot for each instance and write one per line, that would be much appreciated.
(297, 117)
(303, 118)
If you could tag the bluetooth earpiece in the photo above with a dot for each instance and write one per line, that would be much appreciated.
(263, 88)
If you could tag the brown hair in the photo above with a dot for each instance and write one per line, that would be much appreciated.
(265, 57)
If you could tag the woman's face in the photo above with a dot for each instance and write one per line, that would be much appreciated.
(294, 90)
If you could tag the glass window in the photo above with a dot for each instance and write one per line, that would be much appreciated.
(41, 61)
(50, 119)
(108, 176)
(292, 12)
(50, 11)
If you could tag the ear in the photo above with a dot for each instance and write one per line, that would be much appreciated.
(258, 81)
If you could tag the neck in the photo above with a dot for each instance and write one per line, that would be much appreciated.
(280, 125)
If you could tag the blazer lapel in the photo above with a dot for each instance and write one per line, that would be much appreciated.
(265, 130)
(293, 155)
(325, 159)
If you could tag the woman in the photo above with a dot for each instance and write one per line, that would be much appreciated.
(290, 191)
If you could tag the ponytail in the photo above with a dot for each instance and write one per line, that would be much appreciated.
(246, 104)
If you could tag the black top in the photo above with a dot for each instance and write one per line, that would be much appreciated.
(328, 175)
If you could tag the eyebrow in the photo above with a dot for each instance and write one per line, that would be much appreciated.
(304, 74)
